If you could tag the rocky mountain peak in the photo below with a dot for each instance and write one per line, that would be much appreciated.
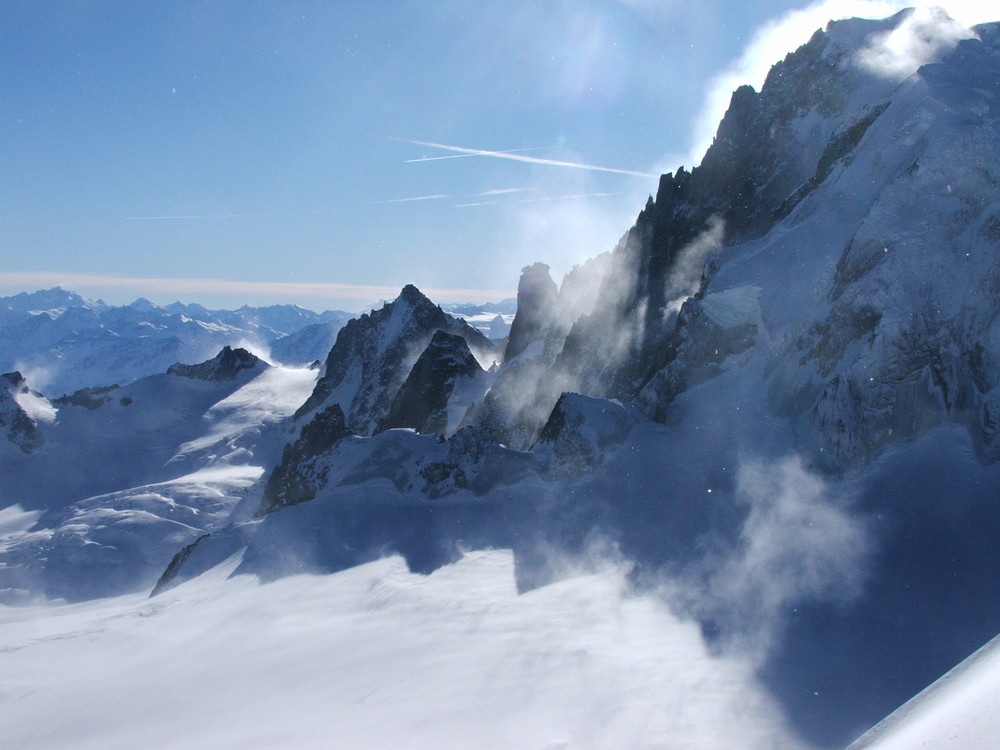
(15, 379)
(373, 356)
(536, 297)
(413, 296)
(226, 365)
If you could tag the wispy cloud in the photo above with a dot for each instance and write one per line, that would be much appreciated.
(284, 289)
(572, 197)
(801, 541)
(527, 159)
(484, 194)
(924, 36)
(188, 217)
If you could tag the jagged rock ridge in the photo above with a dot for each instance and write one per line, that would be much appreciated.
(403, 365)
(374, 354)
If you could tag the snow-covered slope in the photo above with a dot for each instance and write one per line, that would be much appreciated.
(377, 657)
(62, 342)
(121, 478)
(958, 711)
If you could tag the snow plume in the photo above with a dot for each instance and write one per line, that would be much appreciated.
(685, 278)
(257, 347)
(926, 29)
(37, 377)
(799, 543)
(14, 519)
(924, 36)
(566, 230)
(769, 44)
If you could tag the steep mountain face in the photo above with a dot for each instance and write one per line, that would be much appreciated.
(773, 150)
(405, 365)
(422, 403)
(528, 384)
(783, 403)
(64, 342)
(374, 354)
(17, 425)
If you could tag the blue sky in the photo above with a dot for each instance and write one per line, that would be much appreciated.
(327, 153)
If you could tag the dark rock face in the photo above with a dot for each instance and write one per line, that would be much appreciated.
(476, 463)
(395, 367)
(422, 401)
(19, 428)
(528, 385)
(88, 398)
(693, 355)
(297, 478)
(374, 354)
(536, 299)
(227, 365)
(14, 380)
(580, 433)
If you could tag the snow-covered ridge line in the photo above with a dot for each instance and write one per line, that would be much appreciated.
(61, 341)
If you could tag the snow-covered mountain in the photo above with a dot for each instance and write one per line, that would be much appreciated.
(61, 341)
(957, 711)
(108, 483)
(775, 403)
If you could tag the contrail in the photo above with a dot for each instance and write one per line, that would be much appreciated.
(435, 196)
(415, 198)
(463, 156)
(527, 159)
(504, 191)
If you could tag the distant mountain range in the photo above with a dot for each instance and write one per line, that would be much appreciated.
(62, 341)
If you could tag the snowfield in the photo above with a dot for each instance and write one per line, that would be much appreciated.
(957, 712)
(376, 657)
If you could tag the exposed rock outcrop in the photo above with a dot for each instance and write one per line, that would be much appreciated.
(226, 365)
(421, 403)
